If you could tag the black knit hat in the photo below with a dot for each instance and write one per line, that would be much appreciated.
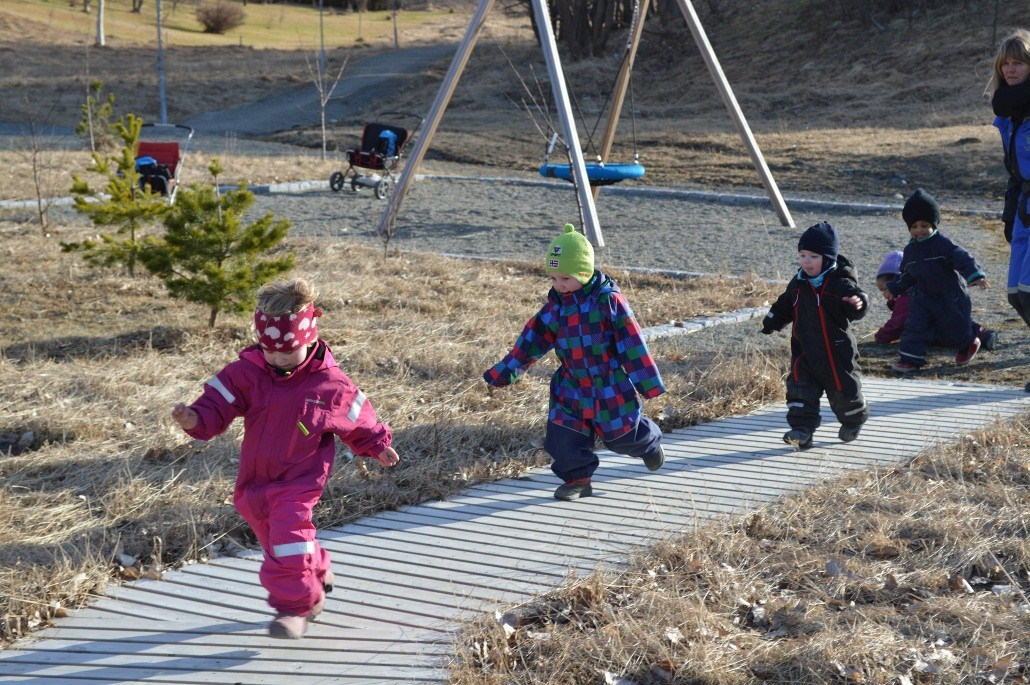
(921, 205)
(821, 239)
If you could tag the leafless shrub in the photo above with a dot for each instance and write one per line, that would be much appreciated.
(220, 17)
(38, 153)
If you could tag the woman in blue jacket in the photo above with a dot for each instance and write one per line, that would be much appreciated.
(1011, 102)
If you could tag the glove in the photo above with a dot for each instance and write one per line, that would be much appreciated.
(1008, 231)
(766, 330)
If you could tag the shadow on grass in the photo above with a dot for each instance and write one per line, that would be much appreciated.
(81, 346)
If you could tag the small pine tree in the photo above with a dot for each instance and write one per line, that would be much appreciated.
(208, 256)
(96, 124)
(122, 203)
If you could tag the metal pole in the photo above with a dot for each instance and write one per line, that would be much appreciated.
(161, 67)
(735, 112)
(443, 96)
(621, 84)
(591, 226)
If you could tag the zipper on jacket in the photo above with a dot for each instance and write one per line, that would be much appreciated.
(826, 336)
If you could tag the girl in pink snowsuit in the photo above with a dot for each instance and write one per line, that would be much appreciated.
(293, 399)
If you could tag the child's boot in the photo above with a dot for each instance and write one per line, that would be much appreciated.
(654, 461)
(574, 489)
(848, 434)
(988, 338)
(798, 438)
(905, 367)
(966, 355)
(289, 627)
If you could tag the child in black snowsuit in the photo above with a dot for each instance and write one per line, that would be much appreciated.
(821, 300)
(936, 270)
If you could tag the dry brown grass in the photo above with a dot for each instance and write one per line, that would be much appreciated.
(916, 573)
(101, 485)
(104, 487)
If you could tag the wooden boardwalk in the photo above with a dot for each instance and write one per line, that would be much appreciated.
(405, 578)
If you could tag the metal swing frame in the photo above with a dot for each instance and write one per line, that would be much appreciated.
(585, 194)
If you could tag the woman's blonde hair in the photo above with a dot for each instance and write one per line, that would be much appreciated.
(285, 297)
(1017, 47)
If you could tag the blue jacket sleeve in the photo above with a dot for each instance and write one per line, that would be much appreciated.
(536, 340)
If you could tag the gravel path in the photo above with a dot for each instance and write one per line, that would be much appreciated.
(641, 229)
(517, 221)
(649, 229)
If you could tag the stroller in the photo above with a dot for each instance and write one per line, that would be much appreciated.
(380, 153)
(159, 156)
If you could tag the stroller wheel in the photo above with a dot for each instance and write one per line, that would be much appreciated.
(336, 181)
(382, 189)
(354, 185)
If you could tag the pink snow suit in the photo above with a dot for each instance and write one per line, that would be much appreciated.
(289, 422)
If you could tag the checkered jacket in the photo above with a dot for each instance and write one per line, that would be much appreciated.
(605, 365)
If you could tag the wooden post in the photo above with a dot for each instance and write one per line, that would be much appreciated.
(622, 83)
(443, 97)
(735, 112)
(591, 226)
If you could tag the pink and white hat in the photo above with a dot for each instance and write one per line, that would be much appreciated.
(287, 332)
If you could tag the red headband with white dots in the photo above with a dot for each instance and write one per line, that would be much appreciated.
(287, 332)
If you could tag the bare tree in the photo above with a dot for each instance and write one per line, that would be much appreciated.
(584, 26)
(39, 148)
(325, 90)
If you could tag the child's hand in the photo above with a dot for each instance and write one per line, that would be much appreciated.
(388, 457)
(984, 283)
(184, 416)
(854, 300)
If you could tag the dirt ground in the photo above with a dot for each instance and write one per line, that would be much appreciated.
(836, 107)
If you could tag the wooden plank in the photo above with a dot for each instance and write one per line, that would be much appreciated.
(227, 667)
(405, 578)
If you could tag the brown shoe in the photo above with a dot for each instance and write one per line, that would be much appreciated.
(286, 627)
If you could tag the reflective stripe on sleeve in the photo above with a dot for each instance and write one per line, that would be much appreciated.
(292, 549)
(355, 407)
(222, 390)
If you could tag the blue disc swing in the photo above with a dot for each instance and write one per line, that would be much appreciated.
(599, 173)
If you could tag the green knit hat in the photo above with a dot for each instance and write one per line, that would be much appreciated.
(571, 254)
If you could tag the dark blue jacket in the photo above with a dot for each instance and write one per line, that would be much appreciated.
(935, 267)
(821, 339)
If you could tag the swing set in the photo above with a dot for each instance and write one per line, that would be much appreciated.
(600, 172)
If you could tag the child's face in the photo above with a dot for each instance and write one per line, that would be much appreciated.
(565, 284)
(811, 262)
(882, 281)
(285, 361)
(1014, 71)
(920, 229)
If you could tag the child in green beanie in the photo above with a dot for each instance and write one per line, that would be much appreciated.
(606, 368)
